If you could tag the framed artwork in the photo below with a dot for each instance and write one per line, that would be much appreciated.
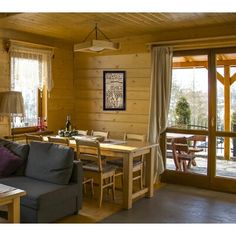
(114, 90)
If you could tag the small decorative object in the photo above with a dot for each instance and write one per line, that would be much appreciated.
(42, 124)
(68, 124)
(114, 93)
(67, 134)
(61, 133)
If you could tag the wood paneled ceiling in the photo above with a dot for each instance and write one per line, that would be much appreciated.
(74, 27)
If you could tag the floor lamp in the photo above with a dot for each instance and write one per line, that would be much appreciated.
(11, 103)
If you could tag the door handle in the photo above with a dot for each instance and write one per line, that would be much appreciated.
(212, 122)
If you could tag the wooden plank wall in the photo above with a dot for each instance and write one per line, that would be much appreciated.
(60, 102)
(4, 86)
(89, 112)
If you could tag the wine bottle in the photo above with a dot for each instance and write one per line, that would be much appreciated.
(68, 124)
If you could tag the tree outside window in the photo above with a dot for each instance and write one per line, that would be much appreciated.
(182, 112)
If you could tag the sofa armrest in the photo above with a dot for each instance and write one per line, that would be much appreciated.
(77, 177)
(77, 172)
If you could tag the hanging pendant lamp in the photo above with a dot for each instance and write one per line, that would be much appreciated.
(96, 45)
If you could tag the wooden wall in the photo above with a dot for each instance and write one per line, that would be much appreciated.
(4, 86)
(89, 112)
(60, 102)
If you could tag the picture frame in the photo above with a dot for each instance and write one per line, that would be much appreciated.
(114, 90)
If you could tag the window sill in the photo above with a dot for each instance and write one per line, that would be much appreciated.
(20, 134)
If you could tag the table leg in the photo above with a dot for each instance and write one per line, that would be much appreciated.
(150, 172)
(128, 181)
(14, 211)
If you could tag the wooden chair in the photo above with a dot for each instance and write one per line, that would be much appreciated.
(104, 134)
(182, 154)
(195, 139)
(63, 141)
(194, 148)
(137, 162)
(88, 181)
(104, 174)
(82, 132)
(32, 137)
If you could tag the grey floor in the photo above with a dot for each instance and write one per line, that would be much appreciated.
(180, 204)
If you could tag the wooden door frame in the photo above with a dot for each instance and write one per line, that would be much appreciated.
(209, 181)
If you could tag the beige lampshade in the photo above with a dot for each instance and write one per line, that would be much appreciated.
(11, 102)
(96, 45)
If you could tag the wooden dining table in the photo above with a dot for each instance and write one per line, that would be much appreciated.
(128, 150)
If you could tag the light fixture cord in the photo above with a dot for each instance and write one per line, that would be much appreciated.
(96, 29)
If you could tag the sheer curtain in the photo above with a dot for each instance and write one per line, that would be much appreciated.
(30, 71)
(160, 91)
(42, 56)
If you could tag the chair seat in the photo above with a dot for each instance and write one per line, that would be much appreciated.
(193, 149)
(119, 162)
(185, 156)
(93, 167)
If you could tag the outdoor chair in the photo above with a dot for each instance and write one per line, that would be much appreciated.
(182, 155)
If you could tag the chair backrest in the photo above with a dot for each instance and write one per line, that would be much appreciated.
(104, 134)
(64, 141)
(31, 137)
(89, 150)
(180, 145)
(136, 137)
(82, 132)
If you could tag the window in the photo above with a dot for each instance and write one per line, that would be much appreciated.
(30, 74)
(188, 111)
(189, 93)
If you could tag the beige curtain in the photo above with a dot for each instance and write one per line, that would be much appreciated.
(160, 91)
(43, 56)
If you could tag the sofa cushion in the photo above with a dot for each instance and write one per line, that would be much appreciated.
(50, 162)
(9, 162)
(40, 194)
(21, 150)
(3, 142)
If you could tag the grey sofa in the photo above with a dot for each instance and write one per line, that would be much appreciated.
(51, 178)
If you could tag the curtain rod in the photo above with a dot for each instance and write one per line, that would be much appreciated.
(31, 44)
(195, 40)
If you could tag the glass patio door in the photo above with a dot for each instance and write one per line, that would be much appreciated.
(223, 176)
(188, 118)
(203, 110)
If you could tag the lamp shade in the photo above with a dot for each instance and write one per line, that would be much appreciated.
(95, 46)
(11, 102)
